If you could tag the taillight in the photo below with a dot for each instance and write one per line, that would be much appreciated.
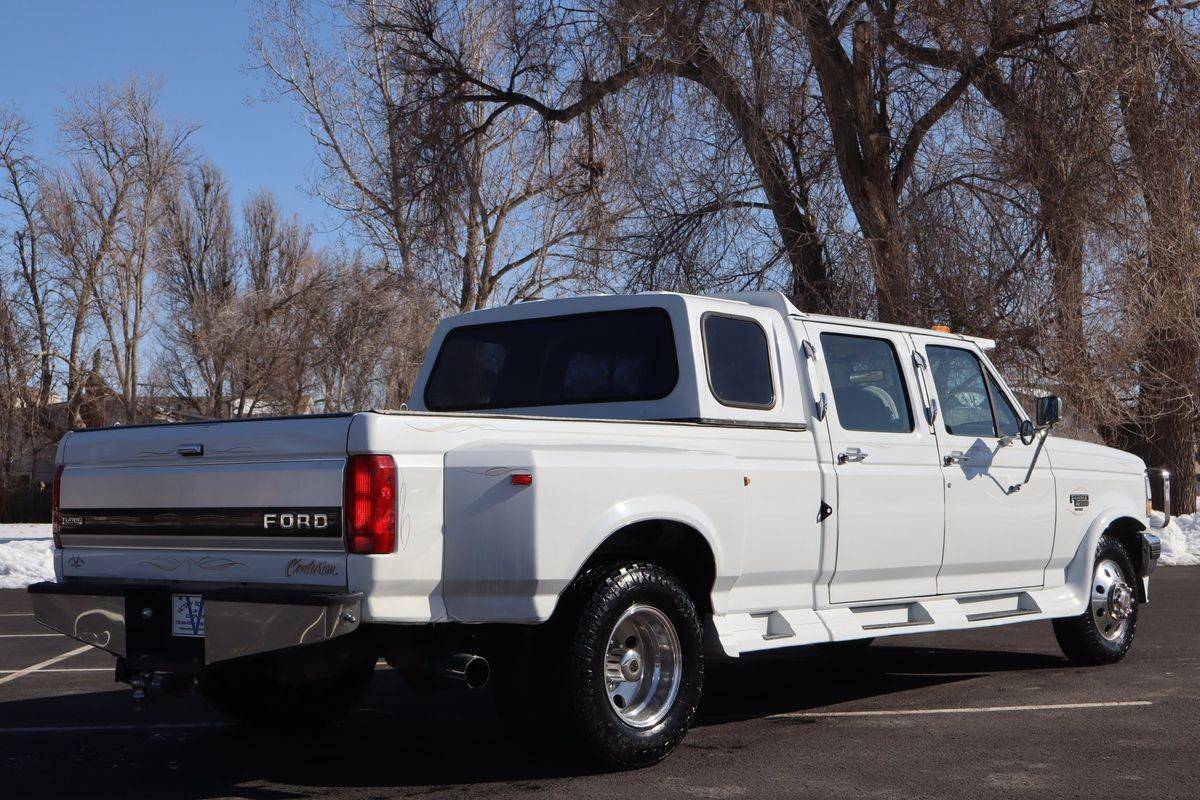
(370, 504)
(55, 517)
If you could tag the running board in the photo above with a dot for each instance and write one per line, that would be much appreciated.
(980, 617)
(998, 606)
(887, 625)
(745, 632)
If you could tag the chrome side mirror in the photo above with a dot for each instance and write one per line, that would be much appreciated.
(1027, 432)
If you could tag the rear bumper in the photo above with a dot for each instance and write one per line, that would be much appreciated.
(134, 621)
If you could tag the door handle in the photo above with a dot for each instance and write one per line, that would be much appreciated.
(851, 455)
(956, 457)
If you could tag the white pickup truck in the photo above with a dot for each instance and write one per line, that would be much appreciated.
(584, 500)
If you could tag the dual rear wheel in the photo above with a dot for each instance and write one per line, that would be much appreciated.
(617, 674)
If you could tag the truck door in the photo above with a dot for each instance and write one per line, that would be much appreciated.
(889, 512)
(997, 537)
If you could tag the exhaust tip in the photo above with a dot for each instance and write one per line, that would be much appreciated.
(471, 669)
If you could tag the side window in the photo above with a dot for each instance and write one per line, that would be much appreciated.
(868, 388)
(739, 361)
(1006, 415)
(962, 391)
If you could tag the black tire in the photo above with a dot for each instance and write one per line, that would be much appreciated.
(1090, 639)
(253, 691)
(553, 690)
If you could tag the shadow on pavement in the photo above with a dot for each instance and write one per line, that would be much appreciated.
(401, 739)
(810, 678)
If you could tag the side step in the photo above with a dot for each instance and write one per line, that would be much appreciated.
(888, 617)
(879, 626)
(981, 616)
(1000, 606)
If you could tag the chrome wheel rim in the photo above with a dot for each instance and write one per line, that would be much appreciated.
(643, 666)
(1112, 600)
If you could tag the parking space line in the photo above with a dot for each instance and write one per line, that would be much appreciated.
(43, 664)
(964, 710)
(28, 635)
(64, 669)
(17, 615)
(162, 726)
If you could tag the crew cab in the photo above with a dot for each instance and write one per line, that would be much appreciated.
(583, 501)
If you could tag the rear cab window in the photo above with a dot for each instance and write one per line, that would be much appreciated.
(738, 360)
(606, 356)
(868, 387)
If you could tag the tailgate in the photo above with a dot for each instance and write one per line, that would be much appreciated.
(245, 501)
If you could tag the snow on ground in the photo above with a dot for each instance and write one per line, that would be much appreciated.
(25, 555)
(25, 530)
(1180, 540)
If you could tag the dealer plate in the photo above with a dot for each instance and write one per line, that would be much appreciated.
(187, 615)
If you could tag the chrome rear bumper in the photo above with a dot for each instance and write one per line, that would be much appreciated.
(134, 621)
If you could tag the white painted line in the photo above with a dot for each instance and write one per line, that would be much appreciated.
(47, 663)
(65, 669)
(16, 615)
(966, 710)
(165, 726)
(28, 635)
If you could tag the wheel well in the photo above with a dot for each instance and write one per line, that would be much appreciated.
(1127, 531)
(677, 547)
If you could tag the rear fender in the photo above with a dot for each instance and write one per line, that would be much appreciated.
(663, 508)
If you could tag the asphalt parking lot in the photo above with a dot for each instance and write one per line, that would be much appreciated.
(994, 713)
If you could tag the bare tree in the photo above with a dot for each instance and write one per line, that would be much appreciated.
(155, 153)
(23, 174)
(1157, 80)
(83, 206)
(196, 259)
(479, 208)
(283, 281)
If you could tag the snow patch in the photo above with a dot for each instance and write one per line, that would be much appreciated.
(26, 555)
(25, 530)
(1180, 539)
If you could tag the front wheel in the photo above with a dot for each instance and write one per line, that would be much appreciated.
(1103, 633)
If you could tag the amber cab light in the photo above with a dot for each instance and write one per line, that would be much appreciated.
(55, 517)
(370, 504)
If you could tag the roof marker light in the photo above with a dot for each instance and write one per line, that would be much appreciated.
(521, 479)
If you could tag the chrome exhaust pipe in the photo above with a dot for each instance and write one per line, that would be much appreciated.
(468, 668)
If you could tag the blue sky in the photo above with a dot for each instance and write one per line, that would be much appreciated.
(54, 47)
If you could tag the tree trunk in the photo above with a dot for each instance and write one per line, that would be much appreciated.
(1164, 161)
(1064, 240)
(1169, 409)
(893, 279)
(811, 290)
